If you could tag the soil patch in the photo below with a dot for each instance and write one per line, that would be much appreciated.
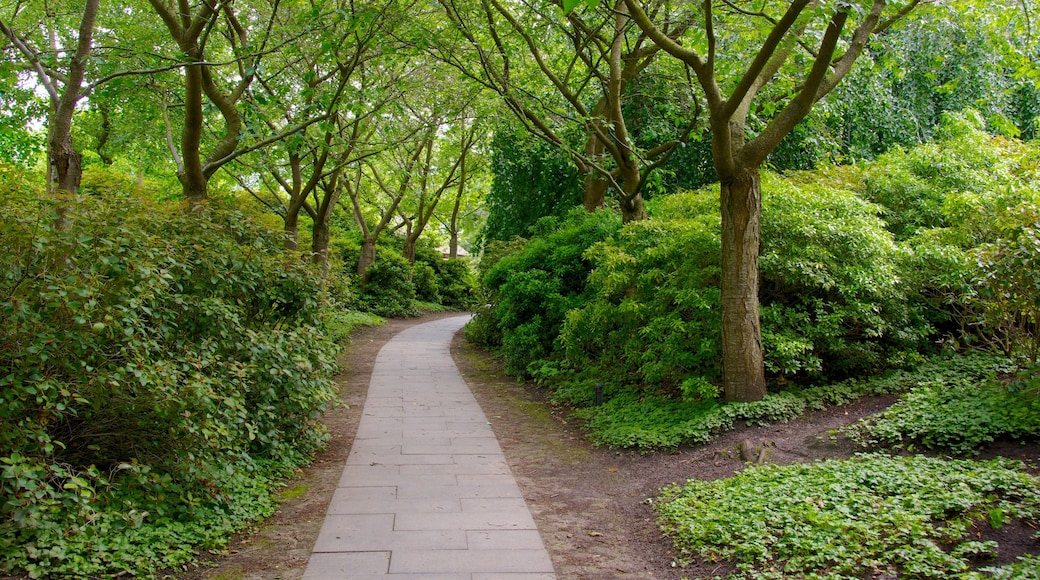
(593, 505)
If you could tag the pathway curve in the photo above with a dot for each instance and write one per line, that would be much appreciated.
(426, 492)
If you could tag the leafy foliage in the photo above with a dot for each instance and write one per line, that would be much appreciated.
(959, 416)
(965, 206)
(916, 517)
(158, 370)
(832, 302)
(849, 288)
(396, 288)
(535, 287)
(647, 421)
(532, 180)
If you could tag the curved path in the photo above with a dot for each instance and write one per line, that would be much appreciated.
(426, 492)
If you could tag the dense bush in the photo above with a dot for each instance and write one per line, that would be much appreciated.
(532, 180)
(532, 289)
(158, 368)
(451, 282)
(832, 304)
(965, 205)
(389, 290)
(863, 269)
(396, 288)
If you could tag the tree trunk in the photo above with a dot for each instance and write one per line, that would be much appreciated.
(409, 250)
(366, 260)
(595, 192)
(453, 245)
(66, 163)
(595, 186)
(292, 230)
(632, 210)
(320, 241)
(743, 370)
(193, 179)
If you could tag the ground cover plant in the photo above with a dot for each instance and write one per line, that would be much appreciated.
(907, 517)
(637, 420)
(159, 371)
(961, 416)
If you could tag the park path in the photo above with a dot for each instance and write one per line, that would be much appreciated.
(426, 491)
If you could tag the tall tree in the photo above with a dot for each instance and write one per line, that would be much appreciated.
(437, 175)
(325, 75)
(221, 55)
(514, 48)
(63, 82)
(805, 48)
(380, 185)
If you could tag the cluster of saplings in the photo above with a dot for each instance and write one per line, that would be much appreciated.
(923, 253)
(161, 370)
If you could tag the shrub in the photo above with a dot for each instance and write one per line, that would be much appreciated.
(832, 305)
(534, 288)
(389, 291)
(456, 283)
(833, 301)
(158, 369)
(1010, 285)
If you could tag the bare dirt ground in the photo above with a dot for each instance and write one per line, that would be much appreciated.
(590, 504)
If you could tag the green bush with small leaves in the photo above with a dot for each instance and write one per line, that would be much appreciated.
(534, 287)
(159, 368)
(908, 517)
(389, 291)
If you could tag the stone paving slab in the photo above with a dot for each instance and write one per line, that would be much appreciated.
(426, 492)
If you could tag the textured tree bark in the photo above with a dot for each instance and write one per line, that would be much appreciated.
(320, 241)
(66, 164)
(408, 251)
(453, 245)
(292, 230)
(743, 370)
(595, 186)
(366, 260)
(193, 179)
(632, 209)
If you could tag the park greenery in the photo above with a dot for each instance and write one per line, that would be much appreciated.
(689, 217)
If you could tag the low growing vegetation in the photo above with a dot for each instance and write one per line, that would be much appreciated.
(960, 416)
(906, 517)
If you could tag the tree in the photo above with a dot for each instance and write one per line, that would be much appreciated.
(472, 168)
(805, 48)
(222, 74)
(327, 79)
(515, 48)
(64, 89)
(448, 170)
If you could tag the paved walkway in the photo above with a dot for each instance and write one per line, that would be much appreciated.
(426, 492)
